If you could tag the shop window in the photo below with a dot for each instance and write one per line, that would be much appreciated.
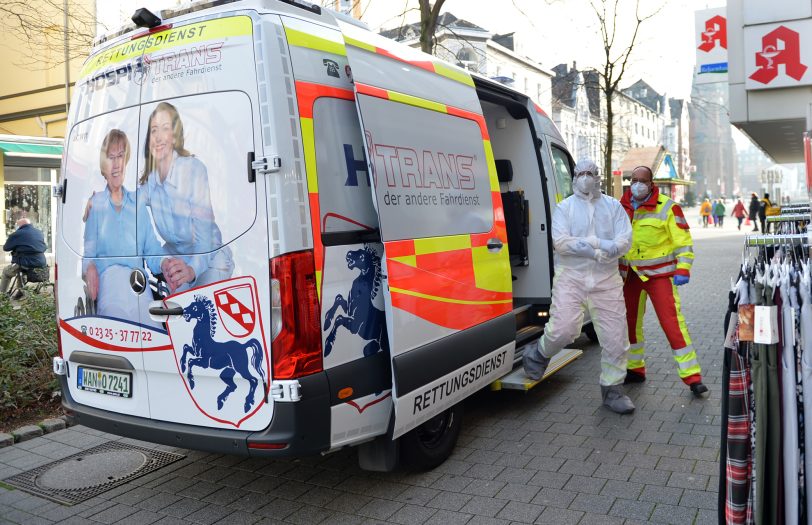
(28, 195)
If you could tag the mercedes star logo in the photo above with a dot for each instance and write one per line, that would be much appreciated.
(138, 281)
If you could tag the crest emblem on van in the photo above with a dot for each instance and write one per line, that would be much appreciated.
(360, 315)
(219, 350)
(235, 305)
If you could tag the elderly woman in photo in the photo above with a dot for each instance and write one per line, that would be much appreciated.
(176, 186)
(116, 224)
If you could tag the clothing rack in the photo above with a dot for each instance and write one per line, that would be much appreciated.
(776, 240)
(789, 217)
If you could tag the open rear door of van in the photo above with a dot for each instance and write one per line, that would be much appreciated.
(448, 289)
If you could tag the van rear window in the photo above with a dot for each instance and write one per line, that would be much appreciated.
(345, 196)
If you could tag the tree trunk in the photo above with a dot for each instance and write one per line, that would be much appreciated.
(610, 144)
(428, 24)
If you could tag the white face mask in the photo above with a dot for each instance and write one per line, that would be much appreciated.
(585, 184)
(640, 190)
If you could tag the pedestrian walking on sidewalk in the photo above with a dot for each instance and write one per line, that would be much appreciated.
(739, 212)
(705, 212)
(755, 205)
(590, 232)
(658, 262)
(719, 213)
(763, 205)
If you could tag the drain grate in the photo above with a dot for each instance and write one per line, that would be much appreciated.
(79, 477)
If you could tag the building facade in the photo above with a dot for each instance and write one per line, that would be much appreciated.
(713, 150)
(770, 74)
(38, 78)
(578, 113)
(751, 162)
(478, 50)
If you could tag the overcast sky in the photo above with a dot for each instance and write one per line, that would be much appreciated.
(550, 31)
(556, 31)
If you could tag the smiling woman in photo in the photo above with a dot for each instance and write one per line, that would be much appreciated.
(176, 186)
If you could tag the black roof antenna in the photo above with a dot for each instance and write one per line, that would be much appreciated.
(143, 17)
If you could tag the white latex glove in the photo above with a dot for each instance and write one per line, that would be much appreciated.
(608, 246)
(603, 257)
(593, 241)
(583, 249)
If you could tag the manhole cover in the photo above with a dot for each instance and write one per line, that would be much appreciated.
(87, 474)
(92, 470)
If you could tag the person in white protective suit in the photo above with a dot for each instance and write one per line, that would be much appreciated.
(591, 231)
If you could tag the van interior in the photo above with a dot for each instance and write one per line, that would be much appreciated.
(526, 204)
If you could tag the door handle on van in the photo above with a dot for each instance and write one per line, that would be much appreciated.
(160, 310)
(494, 245)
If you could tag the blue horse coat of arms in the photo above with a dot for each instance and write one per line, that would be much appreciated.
(220, 351)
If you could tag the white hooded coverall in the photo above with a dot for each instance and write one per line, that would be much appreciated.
(589, 278)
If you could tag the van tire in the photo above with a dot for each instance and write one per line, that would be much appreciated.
(430, 444)
(590, 332)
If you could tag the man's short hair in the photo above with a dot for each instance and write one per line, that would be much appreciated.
(651, 173)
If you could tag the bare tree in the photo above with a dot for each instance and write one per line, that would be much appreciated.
(617, 52)
(429, 13)
(54, 31)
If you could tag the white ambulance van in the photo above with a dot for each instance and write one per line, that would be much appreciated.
(281, 234)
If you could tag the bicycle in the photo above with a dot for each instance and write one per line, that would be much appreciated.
(38, 278)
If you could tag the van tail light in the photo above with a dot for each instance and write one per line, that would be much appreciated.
(295, 320)
(56, 302)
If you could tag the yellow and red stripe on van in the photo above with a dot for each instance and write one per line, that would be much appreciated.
(433, 66)
(427, 276)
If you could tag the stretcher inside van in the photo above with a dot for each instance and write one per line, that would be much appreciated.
(281, 234)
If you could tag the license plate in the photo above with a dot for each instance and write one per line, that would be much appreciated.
(117, 384)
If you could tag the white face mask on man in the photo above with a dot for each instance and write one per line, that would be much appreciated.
(640, 190)
(585, 184)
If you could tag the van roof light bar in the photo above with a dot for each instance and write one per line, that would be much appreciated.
(143, 17)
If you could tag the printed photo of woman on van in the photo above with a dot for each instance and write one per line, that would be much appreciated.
(175, 186)
(117, 224)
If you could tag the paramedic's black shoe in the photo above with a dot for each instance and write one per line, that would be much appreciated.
(534, 363)
(616, 400)
(633, 377)
(698, 389)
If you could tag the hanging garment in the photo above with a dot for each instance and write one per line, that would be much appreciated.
(791, 452)
(773, 479)
(799, 394)
(805, 322)
(737, 506)
(768, 422)
(729, 347)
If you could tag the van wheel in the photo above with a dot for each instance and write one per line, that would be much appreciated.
(590, 332)
(430, 444)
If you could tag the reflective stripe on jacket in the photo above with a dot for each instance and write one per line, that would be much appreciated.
(661, 241)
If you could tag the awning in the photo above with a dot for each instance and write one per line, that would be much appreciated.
(27, 149)
(674, 182)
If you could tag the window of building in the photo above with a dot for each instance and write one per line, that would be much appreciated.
(468, 59)
(28, 194)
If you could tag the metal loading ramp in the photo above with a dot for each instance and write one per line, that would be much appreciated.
(518, 380)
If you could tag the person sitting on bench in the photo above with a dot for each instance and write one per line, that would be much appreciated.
(27, 247)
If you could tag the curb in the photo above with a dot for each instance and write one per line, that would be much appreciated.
(24, 433)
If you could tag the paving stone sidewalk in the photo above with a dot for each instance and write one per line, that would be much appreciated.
(550, 456)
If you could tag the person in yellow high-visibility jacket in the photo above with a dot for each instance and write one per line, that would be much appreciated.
(659, 260)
